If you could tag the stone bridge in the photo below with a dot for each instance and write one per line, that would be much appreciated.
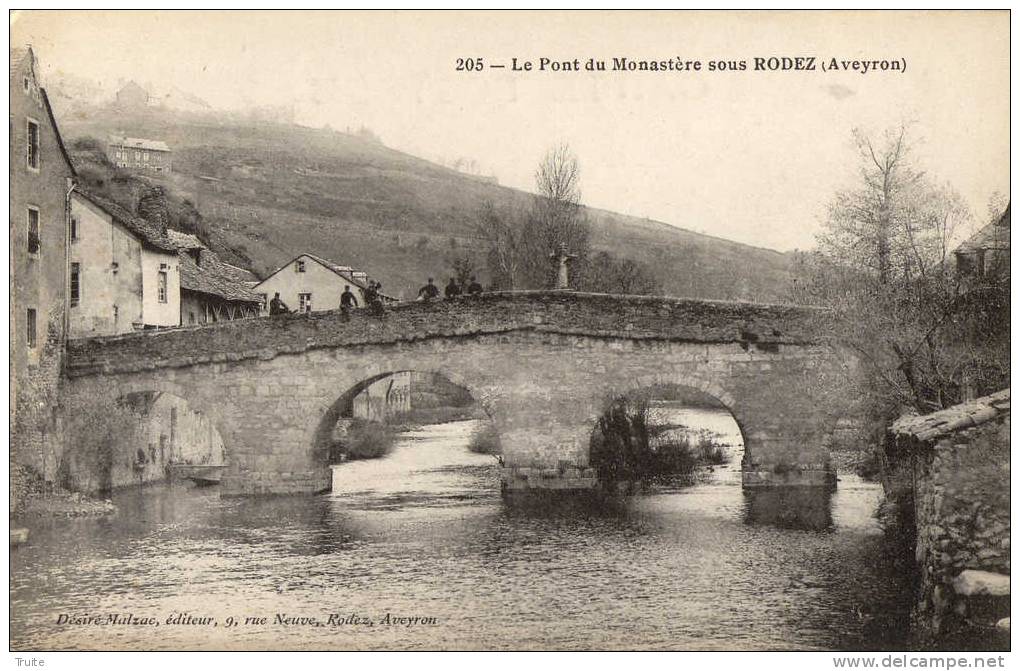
(542, 364)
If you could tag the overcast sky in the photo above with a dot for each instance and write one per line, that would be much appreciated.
(749, 156)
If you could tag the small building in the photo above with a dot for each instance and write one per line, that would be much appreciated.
(384, 399)
(986, 253)
(211, 290)
(140, 154)
(310, 283)
(124, 271)
(132, 96)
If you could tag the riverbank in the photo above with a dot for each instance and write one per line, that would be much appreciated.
(34, 498)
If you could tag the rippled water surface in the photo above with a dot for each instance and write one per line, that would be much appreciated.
(424, 533)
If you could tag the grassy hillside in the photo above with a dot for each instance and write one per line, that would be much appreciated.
(270, 192)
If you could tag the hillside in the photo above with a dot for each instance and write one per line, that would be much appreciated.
(269, 192)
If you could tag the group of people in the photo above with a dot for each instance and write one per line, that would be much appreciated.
(453, 289)
(373, 295)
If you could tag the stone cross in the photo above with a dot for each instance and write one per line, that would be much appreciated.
(561, 257)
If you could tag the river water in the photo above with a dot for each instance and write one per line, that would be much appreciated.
(423, 533)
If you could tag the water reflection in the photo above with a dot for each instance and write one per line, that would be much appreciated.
(806, 508)
(425, 532)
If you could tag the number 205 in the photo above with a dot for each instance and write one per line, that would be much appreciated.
(470, 64)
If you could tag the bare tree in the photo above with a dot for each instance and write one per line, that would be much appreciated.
(504, 233)
(883, 265)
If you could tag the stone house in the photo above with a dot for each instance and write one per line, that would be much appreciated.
(986, 253)
(140, 154)
(211, 290)
(124, 271)
(41, 178)
(310, 283)
(957, 462)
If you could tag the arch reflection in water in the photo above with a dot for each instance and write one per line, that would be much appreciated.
(804, 508)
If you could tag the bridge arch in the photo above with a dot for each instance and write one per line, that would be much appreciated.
(148, 423)
(343, 407)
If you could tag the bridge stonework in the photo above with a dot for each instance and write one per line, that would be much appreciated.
(542, 364)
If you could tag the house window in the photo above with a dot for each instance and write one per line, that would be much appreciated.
(299, 266)
(34, 242)
(138, 155)
(75, 284)
(304, 302)
(145, 156)
(33, 145)
(74, 229)
(161, 286)
(30, 324)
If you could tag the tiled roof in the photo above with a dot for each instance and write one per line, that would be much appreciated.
(957, 418)
(993, 236)
(147, 232)
(184, 240)
(214, 277)
(140, 143)
(242, 274)
(17, 57)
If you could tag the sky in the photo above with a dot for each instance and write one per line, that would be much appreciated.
(752, 156)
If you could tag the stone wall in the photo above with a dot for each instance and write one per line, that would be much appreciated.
(963, 520)
(543, 387)
(633, 318)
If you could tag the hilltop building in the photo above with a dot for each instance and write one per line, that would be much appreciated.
(310, 283)
(211, 290)
(41, 178)
(140, 154)
(124, 271)
(132, 96)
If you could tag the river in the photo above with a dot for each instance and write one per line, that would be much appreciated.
(423, 533)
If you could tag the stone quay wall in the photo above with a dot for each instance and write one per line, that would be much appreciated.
(960, 485)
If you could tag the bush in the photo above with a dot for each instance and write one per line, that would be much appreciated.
(711, 452)
(368, 440)
(486, 441)
(625, 448)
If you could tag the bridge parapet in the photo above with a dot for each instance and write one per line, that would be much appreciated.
(557, 312)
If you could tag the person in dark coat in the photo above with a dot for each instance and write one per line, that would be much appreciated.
(429, 291)
(278, 307)
(347, 299)
(452, 288)
(375, 305)
(474, 288)
(371, 293)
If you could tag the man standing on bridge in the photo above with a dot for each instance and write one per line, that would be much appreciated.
(429, 291)
(277, 307)
(347, 299)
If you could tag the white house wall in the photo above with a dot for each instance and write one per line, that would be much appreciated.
(324, 285)
(111, 276)
(156, 313)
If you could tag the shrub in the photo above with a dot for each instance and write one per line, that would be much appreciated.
(486, 441)
(368, 440)
(711, 452)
